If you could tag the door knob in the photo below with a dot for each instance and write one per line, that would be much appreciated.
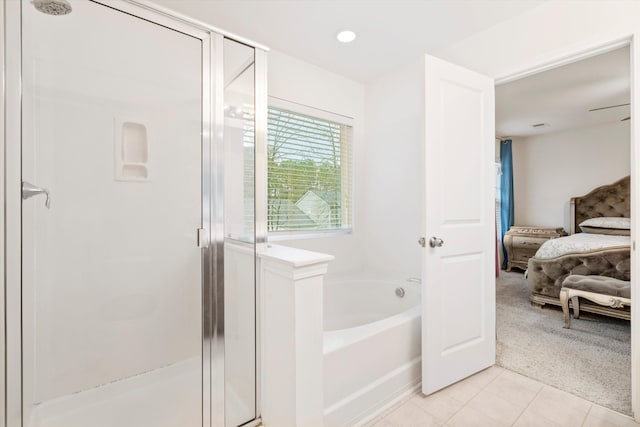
(436, 242)
(29, 190)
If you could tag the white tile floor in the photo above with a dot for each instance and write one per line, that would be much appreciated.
(498, 397)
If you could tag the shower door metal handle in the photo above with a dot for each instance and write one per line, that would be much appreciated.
(29, 190)
(203, 240)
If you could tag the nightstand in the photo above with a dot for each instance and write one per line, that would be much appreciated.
(522, 242)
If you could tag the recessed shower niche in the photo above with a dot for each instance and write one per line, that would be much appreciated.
(132, 151)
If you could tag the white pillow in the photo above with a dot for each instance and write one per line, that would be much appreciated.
(607, 225)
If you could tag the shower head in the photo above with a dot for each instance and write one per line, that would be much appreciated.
(53, 7)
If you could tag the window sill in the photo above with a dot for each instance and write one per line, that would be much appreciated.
(276, 236)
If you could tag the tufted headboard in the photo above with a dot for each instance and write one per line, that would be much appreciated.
(612, 200)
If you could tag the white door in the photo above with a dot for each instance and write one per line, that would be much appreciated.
(458, 318)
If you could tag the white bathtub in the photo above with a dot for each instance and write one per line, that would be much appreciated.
(371, 346)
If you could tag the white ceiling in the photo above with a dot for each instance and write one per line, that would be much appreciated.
(395, 32)
(562, 97)
(390, 32)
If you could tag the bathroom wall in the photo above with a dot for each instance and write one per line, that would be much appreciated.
(390, 192)
(394, 183)
(539, 35)
(551, 168)
(393, 199)
(298, 81)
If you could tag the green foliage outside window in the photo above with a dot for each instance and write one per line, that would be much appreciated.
(305, 172)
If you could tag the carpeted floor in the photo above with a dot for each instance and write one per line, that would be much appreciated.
(591, 360)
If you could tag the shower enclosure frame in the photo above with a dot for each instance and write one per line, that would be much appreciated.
(213, 328)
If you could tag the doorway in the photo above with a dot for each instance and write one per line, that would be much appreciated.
(556, 140)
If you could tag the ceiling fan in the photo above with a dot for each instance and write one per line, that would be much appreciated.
(612, 106)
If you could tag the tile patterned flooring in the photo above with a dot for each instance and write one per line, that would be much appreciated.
(498, 397)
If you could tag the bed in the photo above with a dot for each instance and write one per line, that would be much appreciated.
(608, 256)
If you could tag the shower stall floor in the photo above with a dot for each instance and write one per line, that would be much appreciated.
(166, 397)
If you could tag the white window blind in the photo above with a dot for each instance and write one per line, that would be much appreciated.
(309, 171)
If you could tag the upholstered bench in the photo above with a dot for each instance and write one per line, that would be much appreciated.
(602, 290)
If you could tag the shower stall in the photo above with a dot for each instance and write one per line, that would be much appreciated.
(131, 228)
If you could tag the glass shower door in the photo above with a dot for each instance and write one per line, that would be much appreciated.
(112, 271)
(239, 239)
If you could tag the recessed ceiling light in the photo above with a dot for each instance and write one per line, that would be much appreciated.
(346, 36)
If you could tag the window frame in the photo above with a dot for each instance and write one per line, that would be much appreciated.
(279, 103)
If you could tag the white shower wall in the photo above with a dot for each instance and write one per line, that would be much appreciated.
(112, 270)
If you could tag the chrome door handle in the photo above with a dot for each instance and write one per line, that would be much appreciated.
(436, 242)
(29, 190)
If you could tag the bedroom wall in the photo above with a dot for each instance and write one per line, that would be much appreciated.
(298, 81)
(549, 169)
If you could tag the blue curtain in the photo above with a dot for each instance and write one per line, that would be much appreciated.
(506, 193)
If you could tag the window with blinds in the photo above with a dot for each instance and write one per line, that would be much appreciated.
(309, 170)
